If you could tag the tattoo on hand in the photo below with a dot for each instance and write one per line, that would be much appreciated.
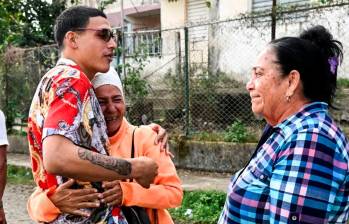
(122, 167)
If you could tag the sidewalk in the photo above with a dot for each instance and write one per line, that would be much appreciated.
(191, 180)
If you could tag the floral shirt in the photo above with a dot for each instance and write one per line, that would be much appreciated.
(65, 104)
(299, 175)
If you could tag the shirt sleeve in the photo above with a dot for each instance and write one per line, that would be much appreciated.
(307, 174)
(166, 191)
(39, 206)
(65, 110)
(3, 135)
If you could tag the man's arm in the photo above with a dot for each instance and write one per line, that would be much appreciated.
(165, 192)
(3, 169)
(62, 157)
(3, 174)
(3, 163)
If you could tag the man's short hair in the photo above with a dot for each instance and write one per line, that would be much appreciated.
(73, 18)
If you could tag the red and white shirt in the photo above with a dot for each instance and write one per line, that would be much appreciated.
(65, 104)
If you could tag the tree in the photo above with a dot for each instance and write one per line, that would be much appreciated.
(23, 23)
(9, 21)
(28, 23)
(102, 4)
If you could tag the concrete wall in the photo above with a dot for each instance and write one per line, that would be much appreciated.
(206, 156)
(18, 144)
(173, 14)
(116, 6)
(211, 156)
(145, 22)
(229, 9)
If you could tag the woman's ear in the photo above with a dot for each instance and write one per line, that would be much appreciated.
(294, 82)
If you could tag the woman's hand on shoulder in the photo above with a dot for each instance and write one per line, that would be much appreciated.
(161, 138)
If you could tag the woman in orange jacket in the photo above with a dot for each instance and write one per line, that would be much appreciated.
(165, 192)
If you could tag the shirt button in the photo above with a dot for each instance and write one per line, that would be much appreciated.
(261, 177)
(294, 217)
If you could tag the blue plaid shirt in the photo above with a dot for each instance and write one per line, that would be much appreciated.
(299, 175)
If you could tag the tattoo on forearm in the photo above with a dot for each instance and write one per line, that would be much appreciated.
(122, 167)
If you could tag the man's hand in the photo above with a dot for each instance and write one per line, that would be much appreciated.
(72, 200)
(2, 216)
(144, 170)
(112, 194)
(161, 138)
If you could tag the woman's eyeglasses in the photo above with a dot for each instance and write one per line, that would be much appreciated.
(105, 34)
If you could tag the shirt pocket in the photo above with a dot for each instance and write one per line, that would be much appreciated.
(255, 177)
(261, 178)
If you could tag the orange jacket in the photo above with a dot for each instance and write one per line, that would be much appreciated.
(166, 192)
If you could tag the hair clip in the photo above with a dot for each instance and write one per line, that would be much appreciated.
(333, 61)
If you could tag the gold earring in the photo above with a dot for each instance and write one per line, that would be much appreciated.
(288, 99)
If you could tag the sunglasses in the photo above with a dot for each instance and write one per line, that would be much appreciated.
(105, 34)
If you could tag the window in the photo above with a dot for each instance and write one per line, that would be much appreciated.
(144, 42)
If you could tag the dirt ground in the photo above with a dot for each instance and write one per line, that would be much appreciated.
(16, 195)
(15, 200)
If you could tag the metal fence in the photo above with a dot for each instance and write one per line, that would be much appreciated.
(197, 82)
(189, 79)
(20, 72)
(188, 92)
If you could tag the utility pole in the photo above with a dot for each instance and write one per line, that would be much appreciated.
(122, 40)
(273, 20)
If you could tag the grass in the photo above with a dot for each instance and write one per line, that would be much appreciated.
(199, 207)
(213, 136)
(251, 136)
(343, 83)
(19, 175)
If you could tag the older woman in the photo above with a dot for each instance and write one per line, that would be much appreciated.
(299, 174)
(165, 192)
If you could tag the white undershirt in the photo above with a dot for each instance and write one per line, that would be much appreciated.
(3, 135)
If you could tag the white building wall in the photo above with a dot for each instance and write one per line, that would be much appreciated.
(173, 19)
(238, 43)
(234, 46)
(173, 14)
(230, 9)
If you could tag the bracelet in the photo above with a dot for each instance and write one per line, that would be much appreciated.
(1, 205)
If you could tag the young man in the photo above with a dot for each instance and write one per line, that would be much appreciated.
(165, 192)
(66, 130)
(3, 164)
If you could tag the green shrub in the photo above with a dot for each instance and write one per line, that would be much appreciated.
(208, 136)
(199, 207)
(343, 83)
(19, 175)
(236, 132)
(136, 87)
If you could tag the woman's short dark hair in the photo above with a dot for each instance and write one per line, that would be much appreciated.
(315, 55)
(73, 18)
